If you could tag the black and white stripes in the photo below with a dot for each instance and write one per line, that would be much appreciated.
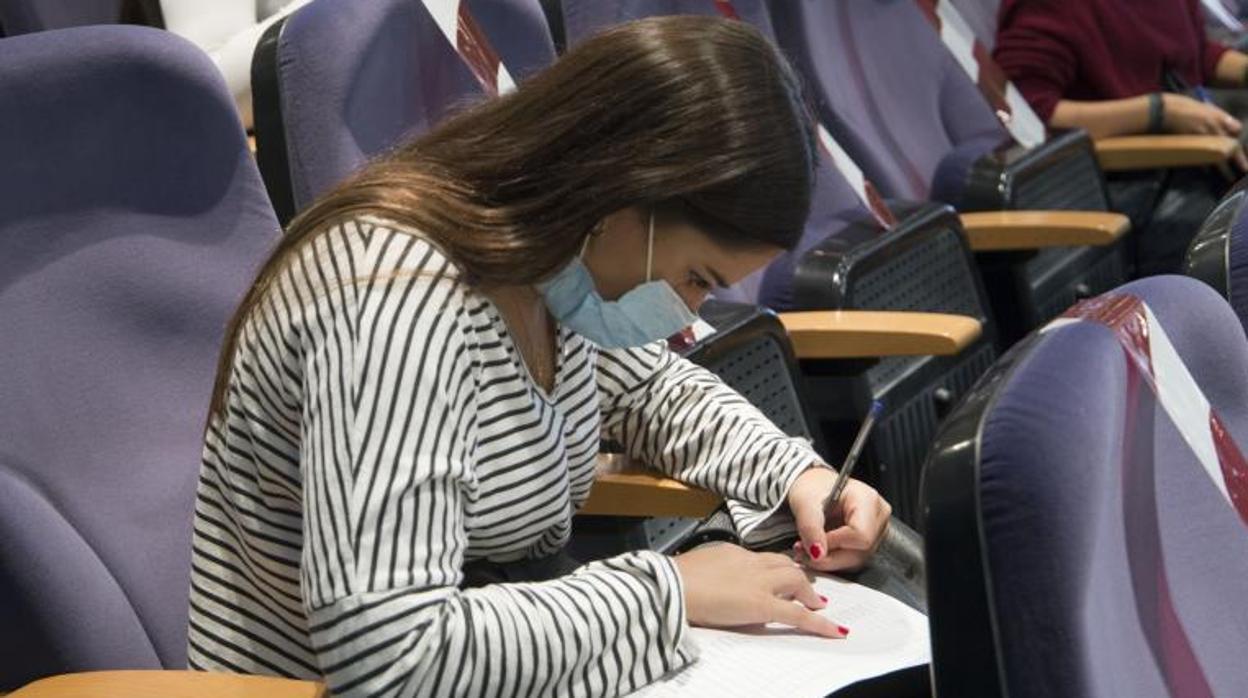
(381, 431)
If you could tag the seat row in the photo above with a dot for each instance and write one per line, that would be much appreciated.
(141, 228)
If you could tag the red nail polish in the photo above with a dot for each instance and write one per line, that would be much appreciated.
(816, 552)
(844, 630)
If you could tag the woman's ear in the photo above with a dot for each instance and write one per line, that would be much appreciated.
(625, 220)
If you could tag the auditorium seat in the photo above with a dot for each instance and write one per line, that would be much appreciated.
(1076, 544)
(921, 130)
(131, 224)
(1219, 253)
(338, 82)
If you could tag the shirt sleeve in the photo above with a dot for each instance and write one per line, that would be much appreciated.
(387, 442)
(682, 419)
(1211, 51)
(1212, 55)
(1033, 48)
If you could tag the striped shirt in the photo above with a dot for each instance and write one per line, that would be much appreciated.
(380, 430)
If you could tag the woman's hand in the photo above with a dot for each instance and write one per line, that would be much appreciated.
(726, 586)
(845, 538)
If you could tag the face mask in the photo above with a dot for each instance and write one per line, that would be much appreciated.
(649, 312)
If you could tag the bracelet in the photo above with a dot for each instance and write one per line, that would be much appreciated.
(1156, 112)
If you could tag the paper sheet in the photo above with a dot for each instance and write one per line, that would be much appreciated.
(776, 660)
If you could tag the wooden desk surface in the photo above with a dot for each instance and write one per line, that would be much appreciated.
(628, 489)
(167, 684)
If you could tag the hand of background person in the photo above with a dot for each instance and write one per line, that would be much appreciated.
(1186, 115)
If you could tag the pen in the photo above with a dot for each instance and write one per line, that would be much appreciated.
(847, 468)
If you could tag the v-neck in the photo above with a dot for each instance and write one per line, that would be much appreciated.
(504, 332)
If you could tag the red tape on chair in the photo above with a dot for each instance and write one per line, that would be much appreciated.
(866, 191)
(1006, 101)
(1151, 353)
(465, 35)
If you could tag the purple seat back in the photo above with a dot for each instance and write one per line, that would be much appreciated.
(1114, 563)
(833, 203)
(585, 17)
(890, 92)
(26, 16)
(981, 16)
(357, 77)
(133, 220)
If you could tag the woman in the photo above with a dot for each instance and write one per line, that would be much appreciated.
(412, 395)
(1102, 65)
(1124, 67)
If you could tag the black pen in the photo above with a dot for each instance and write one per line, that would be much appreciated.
(847, 468)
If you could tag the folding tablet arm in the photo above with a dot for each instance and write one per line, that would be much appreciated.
(1124, 153)
(998, 231)
(167, 684)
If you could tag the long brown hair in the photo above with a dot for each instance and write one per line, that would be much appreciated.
(697, 117)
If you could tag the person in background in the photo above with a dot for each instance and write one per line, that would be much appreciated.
(1126, 67)
(1103, 65)
(412, 395)
(228, 31)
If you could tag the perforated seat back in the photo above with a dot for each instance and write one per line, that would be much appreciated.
(751, 353)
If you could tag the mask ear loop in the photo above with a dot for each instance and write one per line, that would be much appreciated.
(650, 248)
(594, 232)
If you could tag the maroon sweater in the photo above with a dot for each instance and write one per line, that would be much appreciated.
(1101, 49)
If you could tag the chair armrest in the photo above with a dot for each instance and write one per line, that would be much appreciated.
(858, 334)
(1123, 153)
(167, 684)
(990, 231)
(624, 488)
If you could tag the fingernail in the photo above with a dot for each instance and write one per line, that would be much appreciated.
(844, 630)
(816, 552)
(823, 598)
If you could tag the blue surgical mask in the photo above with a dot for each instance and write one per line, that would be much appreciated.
(649, 312)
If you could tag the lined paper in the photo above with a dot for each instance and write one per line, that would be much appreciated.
(885, 635)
